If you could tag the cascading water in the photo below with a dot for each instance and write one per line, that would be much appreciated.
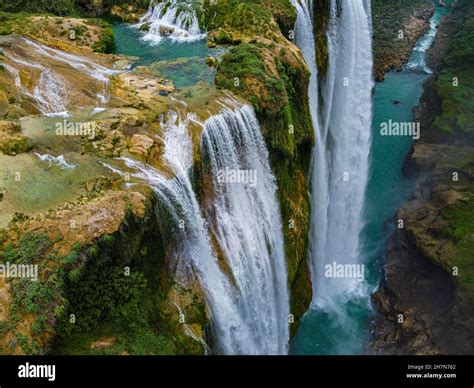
(95, 71)
(51, 92)
(342, 124)
(249, 302)
(417, 61)
(56, 160)
(175, 19)
(342, 151)
(245, 218)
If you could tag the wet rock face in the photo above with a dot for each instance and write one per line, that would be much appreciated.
(141, 145)
(415, 304)
(424, 305)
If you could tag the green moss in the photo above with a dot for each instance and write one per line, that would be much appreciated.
(15, 145)
(66, 7)
(461, 233)
(237, 20)
(453, 118)
(321, 18)
(449, 121)
(237, 67)
(106, 42)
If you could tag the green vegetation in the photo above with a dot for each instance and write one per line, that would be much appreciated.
(57, 7)
(449, 121)
(15, 145)
(461, 232)
(31, 247)
(242, 66)
(107, 339)
(321, 20)
(21, 23)
(106, 42)
(115, 301)
(454, 86)
(114, 288)
(66, 7)
(10, 21)
(236, 21)
(107, 301)
(40, 298)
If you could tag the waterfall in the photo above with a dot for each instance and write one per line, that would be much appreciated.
(85, 65)
(246, 222)
(247, 295)
(175, 19)
(52, 91)
(304, 39)
(344, 144)
(342, 127)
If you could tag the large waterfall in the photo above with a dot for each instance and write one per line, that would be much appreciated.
(346, 133)
(247, 224)
(175, 19)
(343, 138)
(248, 300)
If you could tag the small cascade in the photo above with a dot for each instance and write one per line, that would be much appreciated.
(174, 19)
(56, 160)
(52, 92)
(85, 65)
(417, 61)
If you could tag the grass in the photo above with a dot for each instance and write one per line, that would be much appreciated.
(62, 7)
(140, 341)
